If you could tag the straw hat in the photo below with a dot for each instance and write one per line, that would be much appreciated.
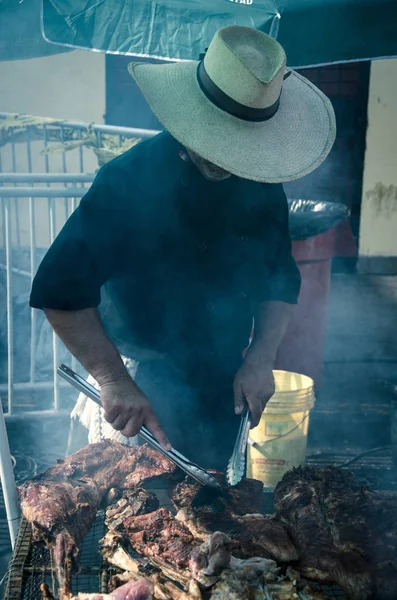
(240, 109)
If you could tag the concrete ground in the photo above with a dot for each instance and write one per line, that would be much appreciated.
(353, 408)
(360, 358)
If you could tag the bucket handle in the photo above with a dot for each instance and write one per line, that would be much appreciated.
(260, 447)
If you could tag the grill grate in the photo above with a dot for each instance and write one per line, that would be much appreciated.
(373, 469)
(32, 565)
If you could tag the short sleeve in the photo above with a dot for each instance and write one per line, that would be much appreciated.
(86, 253)
(282, 279)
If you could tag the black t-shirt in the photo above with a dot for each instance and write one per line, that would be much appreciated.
(174, 262)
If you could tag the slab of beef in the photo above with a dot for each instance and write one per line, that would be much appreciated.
(147, 467)
(61, 503)
(159, 534)
(253, 535)
(344, 534)
(244, 498)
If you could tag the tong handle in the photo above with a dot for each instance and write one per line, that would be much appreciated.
(244, 429)
(236, 465)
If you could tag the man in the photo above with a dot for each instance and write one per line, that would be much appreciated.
(183, 240)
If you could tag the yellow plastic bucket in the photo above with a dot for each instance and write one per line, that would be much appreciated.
(279, 442)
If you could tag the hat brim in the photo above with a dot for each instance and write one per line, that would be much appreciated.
(286, 147)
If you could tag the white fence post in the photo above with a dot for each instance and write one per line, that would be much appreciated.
(8, 484)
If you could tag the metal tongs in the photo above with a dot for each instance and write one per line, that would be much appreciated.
(236, 467)
(190, 468)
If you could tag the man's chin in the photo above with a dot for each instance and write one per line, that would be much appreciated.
(214, 176)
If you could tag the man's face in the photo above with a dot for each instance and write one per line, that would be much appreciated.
(208, 169)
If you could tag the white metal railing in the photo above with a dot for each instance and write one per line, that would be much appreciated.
(51, 194)
(33, 179)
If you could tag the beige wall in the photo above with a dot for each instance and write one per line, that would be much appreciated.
(378, 228)
(68, 86)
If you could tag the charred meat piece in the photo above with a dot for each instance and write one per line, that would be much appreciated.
(244, 498)
(252, 535)
(132, 503)
(344, 534)
(160, 535)
(61, 503)
(149, 465)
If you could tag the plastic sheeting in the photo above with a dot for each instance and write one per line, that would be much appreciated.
(312, 31)
(308, 218)
(165, 29)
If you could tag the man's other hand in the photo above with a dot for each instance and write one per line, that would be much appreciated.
(127, 409)
(254, 385)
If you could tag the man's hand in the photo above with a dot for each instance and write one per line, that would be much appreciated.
(254, 385)
(127, 409)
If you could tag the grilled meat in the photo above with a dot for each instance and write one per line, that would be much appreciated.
(159, 534)
(61, 503)
(253, 535)
(132, 503)
(149, 465)
(244, 498)
(344, 534)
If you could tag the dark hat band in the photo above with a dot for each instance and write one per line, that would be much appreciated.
(227, 104)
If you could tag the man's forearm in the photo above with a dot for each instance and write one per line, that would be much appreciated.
(83, 334)
(271, 322)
